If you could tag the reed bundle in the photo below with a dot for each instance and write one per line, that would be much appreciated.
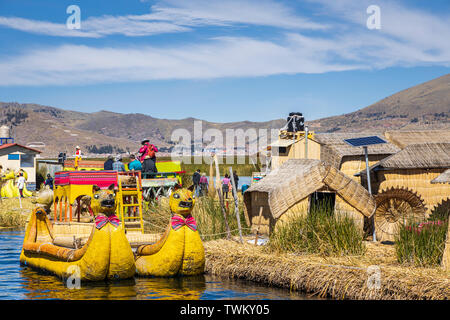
(11, 215)
(335, 277)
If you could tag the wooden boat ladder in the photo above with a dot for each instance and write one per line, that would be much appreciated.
(130, 202)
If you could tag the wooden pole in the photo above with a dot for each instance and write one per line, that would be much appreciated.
(224, 213)
(218, 184)
(211, 192)
(236, 202)
(65, 210)
(259, 224)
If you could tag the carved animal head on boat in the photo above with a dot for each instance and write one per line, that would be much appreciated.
(181, 202)
(44, 198)
(103, 201)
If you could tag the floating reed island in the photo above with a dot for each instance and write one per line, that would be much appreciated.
(345, 277)
(404, 210)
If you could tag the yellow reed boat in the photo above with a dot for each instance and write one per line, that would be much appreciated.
(59, 249)
(180, 250)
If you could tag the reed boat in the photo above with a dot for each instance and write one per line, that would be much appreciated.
(92, 252)
(180, 250)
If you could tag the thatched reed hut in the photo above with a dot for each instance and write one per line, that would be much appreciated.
(405, 185)
(292, 188)
(332, 150)
(404, 138)
(443, 177)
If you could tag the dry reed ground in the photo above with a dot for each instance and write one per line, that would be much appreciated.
(334, 277)
(10, 213)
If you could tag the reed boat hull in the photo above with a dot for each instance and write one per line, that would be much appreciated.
(106, 255)
(179, 252)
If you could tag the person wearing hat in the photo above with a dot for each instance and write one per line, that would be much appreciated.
(77, 157)
(118, 164)
(147, 151)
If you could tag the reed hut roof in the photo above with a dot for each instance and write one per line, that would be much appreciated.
(443, 177)
(418, 156)
(404, 138)
(296, 179)
(334, 148)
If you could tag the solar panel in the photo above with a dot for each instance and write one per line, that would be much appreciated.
(364, 141)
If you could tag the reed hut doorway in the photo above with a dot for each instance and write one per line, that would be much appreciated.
(322, 201)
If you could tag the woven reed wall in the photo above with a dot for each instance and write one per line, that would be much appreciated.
(354, 164)
(79, 229)
(300, 208)
(297, 151)
(343, 208)
(417, 181)
(258, 200)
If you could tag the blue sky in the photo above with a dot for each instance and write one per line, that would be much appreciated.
(227, 60)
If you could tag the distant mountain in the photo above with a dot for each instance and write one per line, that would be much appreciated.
(108, 132)
(425, 106)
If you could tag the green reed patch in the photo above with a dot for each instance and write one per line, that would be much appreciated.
(319, 232)
(421, 244)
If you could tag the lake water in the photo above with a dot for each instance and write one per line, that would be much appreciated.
(242, 180)
(19, 282)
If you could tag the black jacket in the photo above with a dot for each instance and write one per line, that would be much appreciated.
(108, 164)
(196, 178)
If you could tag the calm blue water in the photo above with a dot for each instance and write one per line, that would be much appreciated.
(18, 282)
(242, 180)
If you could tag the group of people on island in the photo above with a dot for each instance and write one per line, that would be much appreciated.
(146, 163)
(200, 182)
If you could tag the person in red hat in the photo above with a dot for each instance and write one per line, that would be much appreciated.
(148, 157)
(77, 157)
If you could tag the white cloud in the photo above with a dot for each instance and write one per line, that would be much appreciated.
(172, 16)
(207, 12)
(93, 27)
(407, 38)
(220, 57)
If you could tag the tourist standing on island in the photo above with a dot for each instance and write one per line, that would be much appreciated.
(203, 184)
(21, 184)
(118, 164)
(236, 180)
(225, 186)
(108, 165)
(196, 182)
(134, 165)
(49, 181)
